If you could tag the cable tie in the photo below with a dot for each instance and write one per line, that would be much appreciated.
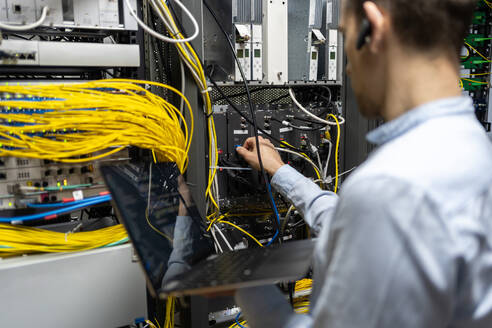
(209, 89)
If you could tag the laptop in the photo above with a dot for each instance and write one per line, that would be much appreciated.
(171, 239)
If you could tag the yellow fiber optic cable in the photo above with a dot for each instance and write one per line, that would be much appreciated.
(474, 81)
(478, 52)
(18, 240)
(190, 57)
(336, 151)
(242, 230)
(70, 122)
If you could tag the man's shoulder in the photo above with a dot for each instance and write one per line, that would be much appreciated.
(449, 160)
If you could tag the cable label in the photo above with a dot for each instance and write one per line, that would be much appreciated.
(240, 131)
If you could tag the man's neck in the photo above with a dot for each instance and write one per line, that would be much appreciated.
(414, 81)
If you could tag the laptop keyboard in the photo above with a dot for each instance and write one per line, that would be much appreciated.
(227, 268)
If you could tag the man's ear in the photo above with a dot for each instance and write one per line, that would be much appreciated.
(376, 18)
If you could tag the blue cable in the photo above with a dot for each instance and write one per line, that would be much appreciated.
(237, 320)
(276, 213)
(75, 202)
(57, 211)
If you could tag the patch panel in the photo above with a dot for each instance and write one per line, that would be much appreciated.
(44, 180)
(239, 186)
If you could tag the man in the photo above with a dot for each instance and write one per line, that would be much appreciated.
(408, 242)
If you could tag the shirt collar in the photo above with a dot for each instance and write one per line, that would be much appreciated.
(419, 115)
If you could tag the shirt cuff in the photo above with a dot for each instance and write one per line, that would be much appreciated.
(285, 179)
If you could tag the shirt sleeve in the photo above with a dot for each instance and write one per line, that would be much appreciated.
(315, 205)
(386, 266)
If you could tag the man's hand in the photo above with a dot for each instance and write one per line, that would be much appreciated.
(269, 155)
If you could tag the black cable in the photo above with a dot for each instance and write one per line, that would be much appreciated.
(253, 116)
(279, 98)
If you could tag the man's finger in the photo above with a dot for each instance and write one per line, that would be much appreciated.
(245, 153)
(250, 143)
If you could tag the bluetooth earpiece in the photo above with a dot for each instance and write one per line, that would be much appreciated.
(364, 34)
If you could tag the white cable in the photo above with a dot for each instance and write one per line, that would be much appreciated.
(339, 176)
(215, 239)
(325, 170)
(302, 128)
(160, 36)
(216, 185)
(293, 97)
(38, 23)
(297, 154)
(289, 211)
(226, 241)
(291, 208)
(159, 8)
(323, 176)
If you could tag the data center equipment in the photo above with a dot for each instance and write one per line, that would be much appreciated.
(476, 63)
(63, 207)
(90, 14)
(236, 17)
(241, 189)
(60, 54)
(305, 39)
(257, 40)
(277, 42)
(77, 41)
(331, 57)
(75, 33)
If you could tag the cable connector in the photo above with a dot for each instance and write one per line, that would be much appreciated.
(314, 149)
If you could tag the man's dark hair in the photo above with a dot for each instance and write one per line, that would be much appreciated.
(426, 24)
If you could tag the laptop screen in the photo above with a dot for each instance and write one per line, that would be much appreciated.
(161, 218)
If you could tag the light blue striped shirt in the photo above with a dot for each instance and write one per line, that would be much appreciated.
(408, 242)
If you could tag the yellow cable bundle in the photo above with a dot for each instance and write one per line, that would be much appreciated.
(301, 304)
(18, 240)
(304, 284)
(190, 58)
(80, 119)
(170, 306)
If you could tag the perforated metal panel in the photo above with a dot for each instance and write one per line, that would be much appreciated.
(263, 95)
(259, 95)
